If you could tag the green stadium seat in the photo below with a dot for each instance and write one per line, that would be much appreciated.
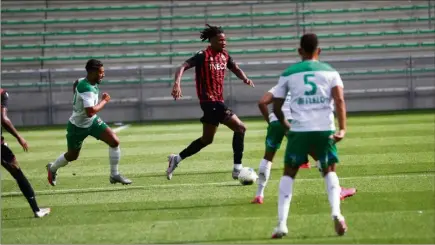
(234, 51)
(230, 39)
(151, 6)
(191, 79)
(228, 27)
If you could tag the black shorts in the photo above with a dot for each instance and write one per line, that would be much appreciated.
(7, 155)
(215, 113)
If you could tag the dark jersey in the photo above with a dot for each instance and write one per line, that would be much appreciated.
(4, 104)
(210, 68)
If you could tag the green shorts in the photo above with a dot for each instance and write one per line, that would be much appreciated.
(75, 135)
(275, 134)
(319, 143)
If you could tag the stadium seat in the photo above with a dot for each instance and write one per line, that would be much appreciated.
(257, 77)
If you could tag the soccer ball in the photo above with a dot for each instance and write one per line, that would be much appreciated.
(247, 176)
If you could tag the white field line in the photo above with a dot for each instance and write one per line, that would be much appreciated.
(118, 129)
(133, 187)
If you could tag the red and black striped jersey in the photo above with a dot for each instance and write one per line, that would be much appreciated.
(210, 67)
(4, 98)
(4, 104)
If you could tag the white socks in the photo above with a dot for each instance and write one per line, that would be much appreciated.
(284, 199)
(333, 189)
(238, 166)
(263, 176)
(114, 156)
(60, 162)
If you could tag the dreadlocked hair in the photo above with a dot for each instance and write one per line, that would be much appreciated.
(210, 32)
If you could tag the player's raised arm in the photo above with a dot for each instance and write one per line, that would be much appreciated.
(340, 105)
(234, 68)
(263, 103)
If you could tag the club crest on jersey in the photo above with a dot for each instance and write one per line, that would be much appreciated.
(223, 58)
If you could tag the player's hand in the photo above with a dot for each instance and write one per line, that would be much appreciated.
(249, 82)
(105, 97)
(338, 136)
(176, 91)
(23, 143)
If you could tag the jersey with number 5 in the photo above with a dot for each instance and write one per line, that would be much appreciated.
(310, 83)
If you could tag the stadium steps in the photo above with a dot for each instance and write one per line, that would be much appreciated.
(186, 79)
(227, 28)
(230, 39)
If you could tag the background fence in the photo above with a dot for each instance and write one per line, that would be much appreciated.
(383, 49)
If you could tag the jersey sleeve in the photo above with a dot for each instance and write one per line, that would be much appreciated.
(87, 93)
(272, 90)
(195, 60)
(88, 99)
(230, 64)
(281, 89)
(336, 80)
(4, 99)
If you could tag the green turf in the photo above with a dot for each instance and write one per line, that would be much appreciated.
(389, 158)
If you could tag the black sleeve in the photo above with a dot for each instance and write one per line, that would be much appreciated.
(4, 99)
(231, 64)
(195, 60)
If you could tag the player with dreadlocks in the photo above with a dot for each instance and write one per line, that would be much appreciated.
(210, 66)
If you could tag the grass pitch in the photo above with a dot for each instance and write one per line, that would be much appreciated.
(388, 158)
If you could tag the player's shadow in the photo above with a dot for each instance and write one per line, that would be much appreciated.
(259, 239)
(179, 174)
(144, 209)
(18, 218)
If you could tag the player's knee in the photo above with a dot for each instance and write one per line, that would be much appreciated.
(207, 140)
(241, 128)
(290, 171)
(330, 168)
(115, 142)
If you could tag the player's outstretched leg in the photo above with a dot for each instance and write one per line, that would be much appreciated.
(208, 132)
(111, 139)
(10, 163)
(74, 138)
(239, 129)
(61, 161)
(274, 137)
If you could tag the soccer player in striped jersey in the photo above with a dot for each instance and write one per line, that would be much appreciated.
(210, 67)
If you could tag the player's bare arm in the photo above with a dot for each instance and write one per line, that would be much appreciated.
(75, 86)
(263, 103)
(9, 126)
(277, 105)
(176, 89)
(241, 75)
(340, 105)
(91, 111)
